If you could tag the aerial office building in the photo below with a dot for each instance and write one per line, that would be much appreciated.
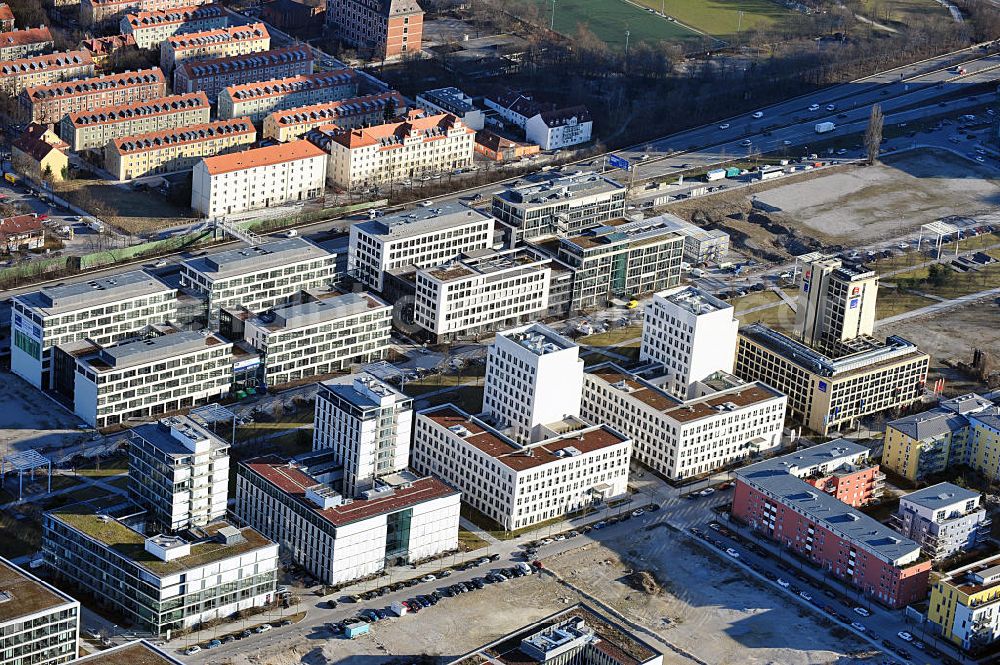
(837, 302)
(39, 624)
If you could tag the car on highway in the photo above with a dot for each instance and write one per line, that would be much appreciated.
(805, 595)
(858, 627)
(758, 115)
(733, 553)
(905, 636)
(831, 107)
(724, 125)
(782, 583)
(746, 142)
(814, 107)
(860, 611)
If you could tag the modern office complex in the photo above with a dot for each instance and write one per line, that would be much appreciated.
(837, 302)
(774, 499)
(215, 43)
(140, 378)
(213, 76)
(93, 128)
(18, 75)
(944, 519)
(49, 103)
(964, 606)
(39, 624)
(258, 99)
(379, 30)
(367, 425)
(24, 43)
(103, 310)
(150, 28)
(417, 238)
(454, 101)
(691, 335)
(139, 652)
(179, 472)
(292, 123)
(681, 438)
(827, 392)
(553, 204)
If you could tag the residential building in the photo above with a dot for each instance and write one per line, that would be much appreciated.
(151, 28)
(260, 277)
(258, 178)
(135, 652)
(18, 75)
(258, 99)
(21, 233)
(140, 378)
(160, 583)
(574, 466)
(691, 334)
(395, 151)
(49, 103)
(289, 124)
(682, 438)
(366, 424)
(557, 204)
(384, 29)
(93, 128)
(961, 430)
(452, 101)
(101, 49)
(826, 392)
(337, 538)
(25, 43)
(701, 246)
(39, 623)
(515, 108)
(173, 150)
(944, 519)
(964, 607)
(561, 128)
(104, 310)
(502, 149)
(215, 43)
(483, 291)
(213, 76)
(295, 17)
(837, 302)
(101, 12)
(772, 498)
(6, 18)
(321, 336)
(417, 238)
(534, 377)
(621, 259)
(579, 634)
(178, 471)
(40, 154)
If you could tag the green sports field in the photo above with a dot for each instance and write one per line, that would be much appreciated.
(609, 19)
(721, 18)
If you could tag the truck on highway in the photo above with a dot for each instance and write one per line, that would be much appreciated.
(824, 127)
(715, 174)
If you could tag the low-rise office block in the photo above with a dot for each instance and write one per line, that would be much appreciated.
(39, 624)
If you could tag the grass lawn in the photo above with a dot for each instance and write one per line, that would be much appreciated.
(721, 18)
(127, 209)
(751, 300)
(902, 11)
(33, 489)
(103, 468)
(959, 284)
(630, 334)
(469, 398)
(891, 302)
(469, 542)
(285, 421)
(609, 19)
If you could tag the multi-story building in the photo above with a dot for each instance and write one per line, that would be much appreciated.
(39, 624)
(93, 128)
(140, 378)
(103, 310)
(396, 151)
(160, 583)
(964, 606)
(215, 43)
(701, 246)
(258, 99)
(213, 76)
(173, 150)
(487, 290)
(100, 12)
(620, 259)
(178, 471)
(49, 103)
(560, 128)
(6, 17)
(320, 336)
(826, 392)
(258, 178)
(774, 499)
(150, 28)
(534, 377)
(19, 75)
(454, 101)
(137, 651)
(557, 204)
(927, 443)
(288, 124)
(366, 424)
(25, 43)
(682, 438)
(338, 538)
(573, 466)
(837, 302)
(944, 518)
(418, 238)
(102, 49)
(259, 277)
(382, 29)
(691, 334)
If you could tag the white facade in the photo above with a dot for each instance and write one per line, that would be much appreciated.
(692, 334)
(41, 624)
(553, 133)
(454, 101)
(103, 310)
(421, 237)
(534, 376)
(258, 178)
(678, 438)
(836, 302)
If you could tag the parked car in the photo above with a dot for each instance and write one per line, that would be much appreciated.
(860, 611)
(905, 636)
(262, 628)
(192, 650)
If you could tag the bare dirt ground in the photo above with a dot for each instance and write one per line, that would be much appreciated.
(29, 419)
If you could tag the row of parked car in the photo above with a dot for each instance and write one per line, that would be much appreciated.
(232, 637)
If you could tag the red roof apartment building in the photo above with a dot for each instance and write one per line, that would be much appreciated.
(775, 499)
(17, 75)
(49, 103)
(215, 43)
(97, 12)
(211, 76)
(345, 113)
(25, 43)
(6, 17)
(377, 28)
(149, 28)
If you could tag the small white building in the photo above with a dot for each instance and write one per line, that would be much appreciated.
(454, 101)
(944, 518)
(560, 128)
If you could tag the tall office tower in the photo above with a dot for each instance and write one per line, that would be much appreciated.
(837, 302)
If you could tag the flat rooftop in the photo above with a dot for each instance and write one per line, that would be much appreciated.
(159, 436)
(450, 99)
(693, 300)
(940, 496)
(537, 338)
(288, 317)
(133, 653)
(140, 351)
(802, 462)
(345, 388)
(54, 300)
(555, 188)
(27, 594)
(274, 254)
(485, 262)
(623, 233)
(421, 221)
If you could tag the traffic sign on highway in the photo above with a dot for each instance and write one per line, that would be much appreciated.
(618, 162)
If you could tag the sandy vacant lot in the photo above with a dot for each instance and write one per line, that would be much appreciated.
(29, 419)
(867, 204)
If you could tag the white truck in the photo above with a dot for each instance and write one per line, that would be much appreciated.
(399, 609)
(824, 127)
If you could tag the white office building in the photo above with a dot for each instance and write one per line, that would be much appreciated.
(560, 128)
(103, 310)
(454, 101)
(418, 238)
(684, 438)
(534, 376)
(367, 425)
(39, 624)
(691, 334)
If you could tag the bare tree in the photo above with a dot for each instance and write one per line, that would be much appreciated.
(873, 134)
